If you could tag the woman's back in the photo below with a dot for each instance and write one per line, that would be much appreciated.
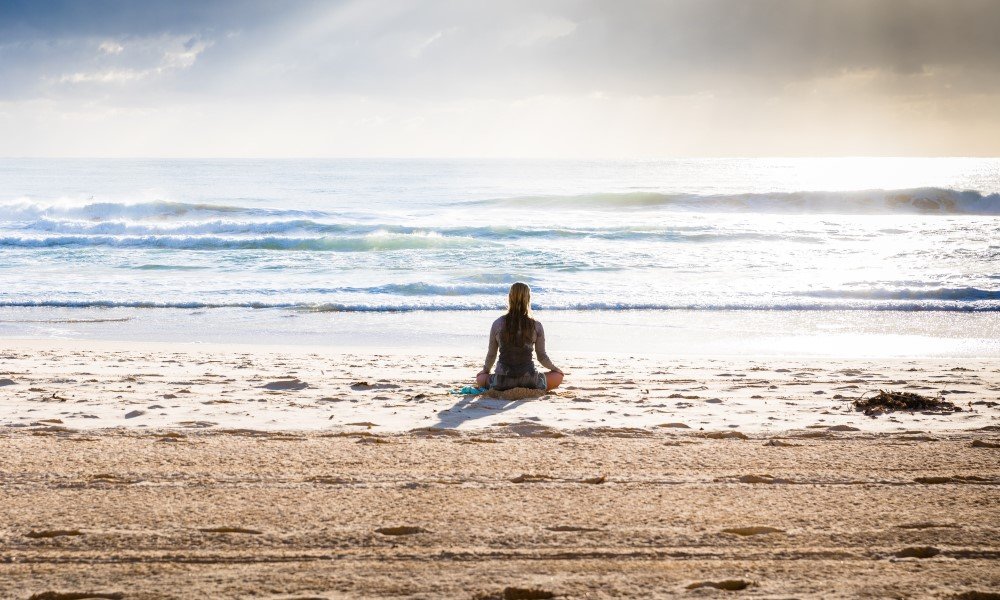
(516, 350)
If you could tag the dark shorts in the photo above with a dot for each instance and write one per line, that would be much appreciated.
(532, 380)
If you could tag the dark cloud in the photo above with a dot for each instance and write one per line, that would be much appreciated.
(72, 18)
(499, 49)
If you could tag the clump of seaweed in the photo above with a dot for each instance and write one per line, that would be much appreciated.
(889, 401)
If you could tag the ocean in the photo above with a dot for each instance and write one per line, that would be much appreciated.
(247, 245)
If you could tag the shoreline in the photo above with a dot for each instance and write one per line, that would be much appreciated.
(683, 333)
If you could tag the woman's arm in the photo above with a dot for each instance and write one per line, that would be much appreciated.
(494, 346)
(540, 349)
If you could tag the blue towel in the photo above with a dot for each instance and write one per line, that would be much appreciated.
(470, 391)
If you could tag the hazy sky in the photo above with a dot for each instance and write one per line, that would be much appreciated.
(547, 78)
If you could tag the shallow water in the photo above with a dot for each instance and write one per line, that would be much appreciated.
(287, 236)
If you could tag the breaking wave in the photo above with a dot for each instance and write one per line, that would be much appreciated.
(27, 209)
(930, 201)
(365, 243)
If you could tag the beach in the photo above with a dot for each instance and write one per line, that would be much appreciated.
(256, 257)
(252, 378)
(164, 470)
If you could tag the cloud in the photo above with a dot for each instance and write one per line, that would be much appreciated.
(762, 67)
(111, 47)
(417, 50)
(540, 29)
(159, 56)
(105, 76)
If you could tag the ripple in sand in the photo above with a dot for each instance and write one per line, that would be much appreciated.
(526, 478)
(928, 525)
(952, 479)
(514, 593)
(230, 530)
(747, 531)
(404, 530)
(767, 479)
(918, 552)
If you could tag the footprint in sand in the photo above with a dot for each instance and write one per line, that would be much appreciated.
(730, 585)
(230, 530)
(76, 595)
(359, 386)
(52, 533)
(197, 424)
(293, 383)
(842, 428)
(724, 435)
(513, 593)
(404, 530)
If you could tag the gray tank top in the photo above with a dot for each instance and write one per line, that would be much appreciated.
(517, 360)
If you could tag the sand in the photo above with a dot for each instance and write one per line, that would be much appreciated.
(178, 471)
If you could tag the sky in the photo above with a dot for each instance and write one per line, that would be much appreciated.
(517, 78)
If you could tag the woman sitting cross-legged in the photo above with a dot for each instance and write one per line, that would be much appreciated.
(515, 335)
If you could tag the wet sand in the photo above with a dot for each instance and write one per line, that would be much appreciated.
(282, 474)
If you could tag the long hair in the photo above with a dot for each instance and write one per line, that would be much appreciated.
(518, 325)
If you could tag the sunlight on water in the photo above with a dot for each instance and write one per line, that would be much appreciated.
(365, 235)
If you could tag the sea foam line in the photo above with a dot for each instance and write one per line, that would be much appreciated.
(989, 306)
